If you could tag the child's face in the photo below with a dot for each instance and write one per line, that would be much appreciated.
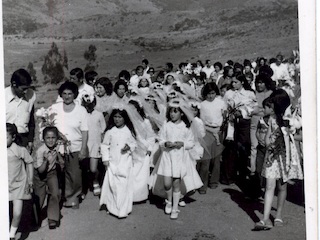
(194, 111)
(50, 139)
(143, 82)
(100, 91)
(170, 79)
(268, 111)
(10, 139)
(247, 69)
(236, 84)
(175, 114)
(211, 96)
(121, 91)
(260, 86)
(223, 91)
(118, 120)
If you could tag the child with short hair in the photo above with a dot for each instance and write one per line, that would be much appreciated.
(20, 176)
(46, 175)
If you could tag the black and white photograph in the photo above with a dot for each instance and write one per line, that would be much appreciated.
(159, 120)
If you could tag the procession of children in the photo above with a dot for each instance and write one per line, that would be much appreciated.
(169, 134)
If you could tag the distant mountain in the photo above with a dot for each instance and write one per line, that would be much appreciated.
(123, 18)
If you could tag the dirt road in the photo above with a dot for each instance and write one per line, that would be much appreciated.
(222, 214)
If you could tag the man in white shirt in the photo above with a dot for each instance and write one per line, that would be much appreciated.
(20, 99)
(134, 80)
(208, 69)
(77, 76)
(280, 70)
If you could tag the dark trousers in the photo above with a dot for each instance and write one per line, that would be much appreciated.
(73, 179)
(243, 144)
(228, 165)
(47, 183)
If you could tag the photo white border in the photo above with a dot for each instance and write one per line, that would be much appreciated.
(307, 40)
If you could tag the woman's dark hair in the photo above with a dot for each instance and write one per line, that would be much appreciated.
(226, 86)
(126, 118)
(201, 64)
(264, 79)
(267, 102)
(151, 69)
(259, 61)
(145, 61)
(265, 69)
(138, 108)
(69, 86)
(230, 63)
(169, 66)
(124, 74)
(247, 62)
(89, 76)
(118, 84)
(219, 64)
(77, 72)
(208, 87)
(226, 70)
(21, 77)
(50, 129)
(238, 68)
(244, 81)
(281, 101)
(106, 83)
(89, 106)
(183, 116)
(272, 60)
(160, 75)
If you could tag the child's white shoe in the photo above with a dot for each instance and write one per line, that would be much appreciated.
(168, 208)
(174, 214)
(182, 203)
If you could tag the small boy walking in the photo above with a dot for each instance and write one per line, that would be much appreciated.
(46, 176)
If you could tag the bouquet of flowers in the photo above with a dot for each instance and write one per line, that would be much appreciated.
(46, 118)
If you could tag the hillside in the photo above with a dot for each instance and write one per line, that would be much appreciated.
(126, 31)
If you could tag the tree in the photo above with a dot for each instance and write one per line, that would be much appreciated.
(32, 72)
(90, 56)
(52, 68)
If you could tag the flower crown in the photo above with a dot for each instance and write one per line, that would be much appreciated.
(176, 103)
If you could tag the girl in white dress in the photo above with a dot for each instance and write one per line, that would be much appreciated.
(175, 138)
(118, 144)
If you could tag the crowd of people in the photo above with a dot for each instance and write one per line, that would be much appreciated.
(168, 133)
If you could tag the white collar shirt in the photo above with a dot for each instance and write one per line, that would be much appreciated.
(18, 110)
